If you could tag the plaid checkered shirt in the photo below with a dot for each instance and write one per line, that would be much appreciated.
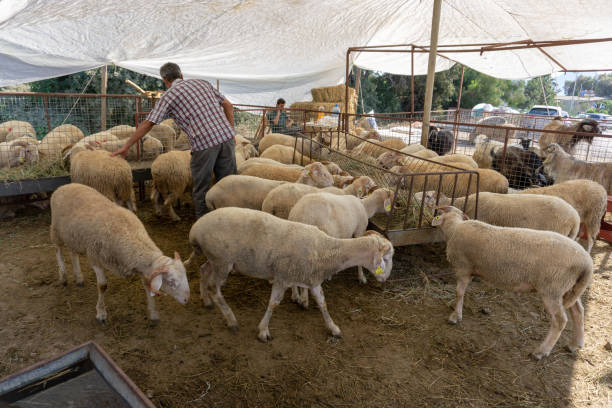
(196, 108)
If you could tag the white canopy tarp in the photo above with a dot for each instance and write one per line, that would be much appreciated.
(263, 49)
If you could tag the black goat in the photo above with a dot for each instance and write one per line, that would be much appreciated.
(522, 167)
(440, 141)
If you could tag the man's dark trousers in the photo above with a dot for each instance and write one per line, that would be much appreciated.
(221, 159)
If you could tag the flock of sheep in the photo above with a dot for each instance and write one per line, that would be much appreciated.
(261, 219)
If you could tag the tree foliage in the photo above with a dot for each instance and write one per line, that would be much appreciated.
(391, 93)
(601, 85)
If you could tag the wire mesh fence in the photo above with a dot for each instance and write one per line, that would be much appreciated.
(404, 174)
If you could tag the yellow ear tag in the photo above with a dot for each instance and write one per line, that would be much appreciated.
(379, 270)
(21, 159)
(308, 173)
(437, 217)
(388, 207)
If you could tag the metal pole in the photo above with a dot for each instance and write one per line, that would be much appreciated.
(103, 101)
(411, 94)
(346, 93)
(46, 103)
(431, 70)
(458, 108)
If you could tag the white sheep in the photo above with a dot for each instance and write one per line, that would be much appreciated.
(240, 191)
(14, 129)
(456, 159)
(339, 216)
(253, 161)
(164, 134)
(112, 238)
(485, 150)
(244, 150)
(172, 180)
(562, 167)
(535, 211)
(111, 176)
(122, 131)
(151, 148)
(286, 155)
(302, 144)
(20, 151)
(263, 246)
(57, 140)
(272, 172)
(587, 197)
(520, 260)
(281, 199)
(374, 148)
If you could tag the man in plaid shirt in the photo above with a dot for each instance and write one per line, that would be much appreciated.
(207, 118)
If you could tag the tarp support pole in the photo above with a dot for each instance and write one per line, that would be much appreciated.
(103, 99)
(346, 93)
(431, 70)
(217, 84)
(411, 93)
(458, 108)
(358, 85)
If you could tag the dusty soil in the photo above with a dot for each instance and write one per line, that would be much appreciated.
(396, 351)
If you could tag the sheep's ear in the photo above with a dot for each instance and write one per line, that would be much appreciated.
(156, 283)
(443, 208)
(177, 256)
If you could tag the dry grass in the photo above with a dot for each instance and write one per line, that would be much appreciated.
(41, 169)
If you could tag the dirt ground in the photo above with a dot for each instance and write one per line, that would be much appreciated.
(397, 350)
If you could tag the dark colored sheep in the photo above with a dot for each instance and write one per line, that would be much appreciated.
(522, 168)
(567, 142)
(440, 141)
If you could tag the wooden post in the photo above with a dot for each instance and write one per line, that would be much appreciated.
(103, 99)
(456, 133)
(358, 86)
(431, 70)
(217, 84)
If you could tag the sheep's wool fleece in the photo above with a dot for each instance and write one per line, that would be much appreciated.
(110, 236)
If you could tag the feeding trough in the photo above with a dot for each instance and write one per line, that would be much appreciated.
(80, 378)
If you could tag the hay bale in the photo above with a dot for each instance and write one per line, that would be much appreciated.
(332, 94)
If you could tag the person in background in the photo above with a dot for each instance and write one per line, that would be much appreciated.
(207, 118)
(279, 122)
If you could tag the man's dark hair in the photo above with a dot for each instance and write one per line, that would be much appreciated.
(170, 71)
(280, 100)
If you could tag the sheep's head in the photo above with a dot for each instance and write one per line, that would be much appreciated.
(552, 149)
(170, 277)
(389, 159)
(316, 174)
(333, 168)
(384, 196)
(588, 126)
(430, 198)
(363, 185)
(22, 152)
(382, 262)
(448, 212)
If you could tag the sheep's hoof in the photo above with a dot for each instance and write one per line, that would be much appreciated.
(64, 283)
(538, 355)
(209, 306)
(176, 219)
(233, 328)
(264, 336)
(101, 319)
(572, 349)
(453, 318)
(363, 279)
(81, 283)
(336, 333)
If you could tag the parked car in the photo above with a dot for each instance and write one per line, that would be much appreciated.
(605, 121)
(538, 117)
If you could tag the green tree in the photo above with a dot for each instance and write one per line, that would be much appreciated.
(534, 94)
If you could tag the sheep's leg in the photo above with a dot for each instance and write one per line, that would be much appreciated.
(156, 198)
(100, 306)
(577, 314)
(462, 284)
(76, 265)
(169, 202)
(317, 293)
(558, 320)
(205, 271)
(214, 286)
(303, 300)
(153, 315)
(278, 291)
(62, 266)
(360, 275)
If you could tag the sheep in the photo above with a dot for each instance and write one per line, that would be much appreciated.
(341, 216)
(456, 158)
(290, 174)
(164, 134)
(521, 167)
(171, 123)
(111, 176)
(112, 238)
(412, 148)
(281, 199)
(122, 131)
(562, 167)
(285, 154)
(64, 134)
(14, 129)
(302, 144)
(151, 148)
(567, 142)
(535, 211)
(244, 150)
(587, 197)
(17, 152)
(171, 174)
(182, 142)
(490, 180)
(374, 148)
(440, 141)
(484, 151)
(249, 192)
(521, 260)
(490, 133)
(263, 246)
(253, 161)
